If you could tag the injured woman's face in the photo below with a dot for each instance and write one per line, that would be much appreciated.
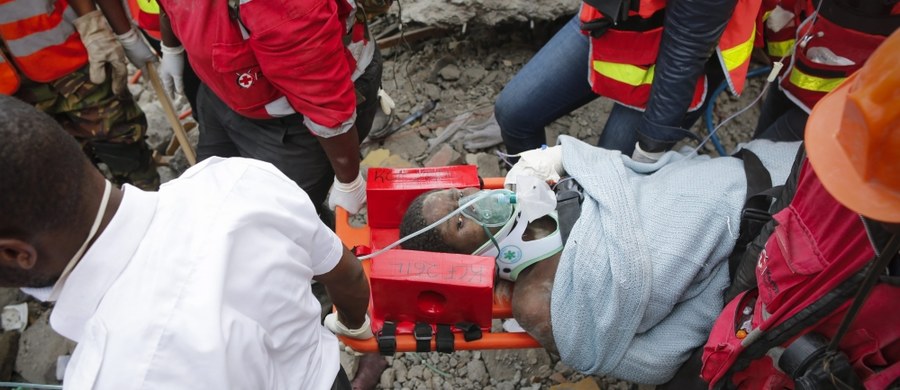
(462, 234)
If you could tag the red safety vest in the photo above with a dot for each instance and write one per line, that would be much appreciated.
(778, 43)
(622, 61)
(41, 40)
(807, 81)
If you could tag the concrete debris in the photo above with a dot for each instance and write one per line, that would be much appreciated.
(446, 155)
(584, 384)
(489, 12)
(39, 349)
(9, 347)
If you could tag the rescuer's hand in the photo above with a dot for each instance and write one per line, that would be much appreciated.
(102, 49)
(171, 70)
(640, 155)
(334, 324)
(544, 163)
(136, 49)
(351, 196)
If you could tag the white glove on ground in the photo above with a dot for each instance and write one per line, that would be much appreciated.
(642, 156)
(171, 70)
(351, 196)
(136, 48)
(335, 325)
(543, 163)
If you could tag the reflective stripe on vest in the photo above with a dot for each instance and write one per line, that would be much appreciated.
(807, 80)
(624, 73)
(623, 59)
(813, 83)
(779, 49)
(43, 45)
(736, 56)
(9, 80)
(148, 6)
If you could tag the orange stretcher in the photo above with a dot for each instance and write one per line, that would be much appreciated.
(360, 236)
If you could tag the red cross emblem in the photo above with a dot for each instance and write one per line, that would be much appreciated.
(245, 80)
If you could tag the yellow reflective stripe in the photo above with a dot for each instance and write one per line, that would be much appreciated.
(737, 55)
(780, 49)
(813, 83)
(148, 6)
(766, 15)
(625, 73)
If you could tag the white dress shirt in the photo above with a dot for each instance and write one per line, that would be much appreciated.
(204, 285)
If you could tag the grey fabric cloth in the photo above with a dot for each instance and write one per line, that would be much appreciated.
(641, 277)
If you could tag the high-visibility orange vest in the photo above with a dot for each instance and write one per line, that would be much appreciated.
(808, 80)
(623, 60)
(146, 14)
(41, 41)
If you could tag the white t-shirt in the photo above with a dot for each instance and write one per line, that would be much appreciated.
(204, 285)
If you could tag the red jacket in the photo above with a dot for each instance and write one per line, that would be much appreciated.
(293, 58)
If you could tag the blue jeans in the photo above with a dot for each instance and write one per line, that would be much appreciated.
(554, 83)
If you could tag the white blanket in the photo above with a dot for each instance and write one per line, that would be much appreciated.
(641, 277)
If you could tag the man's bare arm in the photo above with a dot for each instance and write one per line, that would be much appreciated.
(349, 290)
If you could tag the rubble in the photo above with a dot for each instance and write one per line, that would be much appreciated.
(466, 71)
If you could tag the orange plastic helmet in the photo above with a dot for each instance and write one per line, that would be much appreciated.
(853, 137)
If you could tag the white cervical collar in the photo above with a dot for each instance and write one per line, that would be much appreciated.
(517, 254)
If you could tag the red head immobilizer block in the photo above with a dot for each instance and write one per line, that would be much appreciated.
(390, 190)
(434, 288)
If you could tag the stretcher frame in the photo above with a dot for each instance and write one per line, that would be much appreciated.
(353, 236)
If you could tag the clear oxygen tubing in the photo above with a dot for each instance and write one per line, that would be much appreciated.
(23, 385)
(460, 209)
(776, 69)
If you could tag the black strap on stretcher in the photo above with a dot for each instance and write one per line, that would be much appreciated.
(387, 339)
(422, 332)
(444, 338)
(470, 331)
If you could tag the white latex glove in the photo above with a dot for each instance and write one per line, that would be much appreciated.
(543, 163)
(640, 155)
(171, 70)
(351, 196)
(136, 48)
(335, 325)
(102, 50)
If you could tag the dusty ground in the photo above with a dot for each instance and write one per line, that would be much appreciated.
(464, 70)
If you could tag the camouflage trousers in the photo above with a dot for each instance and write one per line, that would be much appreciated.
(110, 128)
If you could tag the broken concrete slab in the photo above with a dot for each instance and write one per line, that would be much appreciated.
(447, 13)
(39, 348)
(446, 155)
(407, 144)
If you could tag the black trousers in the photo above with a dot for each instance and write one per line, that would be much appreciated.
(341, 381)
(284, 142)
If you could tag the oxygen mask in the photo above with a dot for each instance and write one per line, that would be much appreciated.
(490, 208)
